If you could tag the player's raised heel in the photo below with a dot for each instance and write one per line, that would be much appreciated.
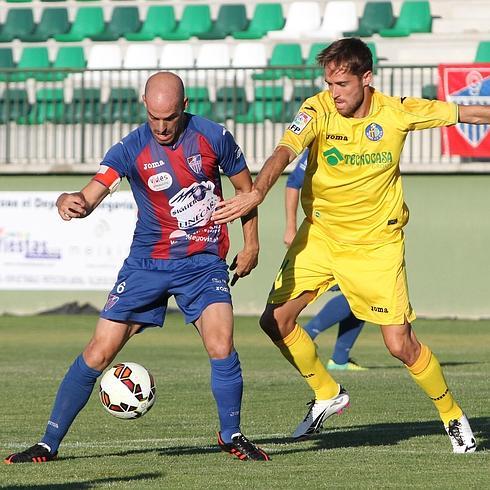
(242, 448)
(38, 453)
(350, 365)
(319, 411)
(461, 435)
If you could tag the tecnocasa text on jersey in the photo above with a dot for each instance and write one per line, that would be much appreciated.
(378, 158)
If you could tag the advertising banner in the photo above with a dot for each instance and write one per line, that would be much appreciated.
(466, 85)
(40, 251)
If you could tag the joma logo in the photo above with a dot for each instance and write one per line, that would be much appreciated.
(379, 309)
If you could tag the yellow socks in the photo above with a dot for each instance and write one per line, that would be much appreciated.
(427, 373)
(300, 351)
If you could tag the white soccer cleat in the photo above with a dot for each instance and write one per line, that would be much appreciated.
(319, 411)
(461, 435)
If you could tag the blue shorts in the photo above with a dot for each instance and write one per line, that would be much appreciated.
(144, 286)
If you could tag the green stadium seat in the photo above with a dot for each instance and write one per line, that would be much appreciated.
(89, 21)
(160, 19)
(300, 94)
(53, 21)
(6, 62)
(67, 57)
(123, 105)
(483, 52)
(31, 58)
(123, 21)
(17, 23)
(195, 20)
(315, 70)
(375, 17)
(283, 54)
(14, 104)
(231, 17)
(414, 16)
(374, 53)
(230, 101)
(266, 17)
(84, 108)
(199, 102)
(19, 1)
(49, 106)
(268, 104)
(429, 91)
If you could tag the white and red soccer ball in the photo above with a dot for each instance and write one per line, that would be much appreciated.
(127, 390)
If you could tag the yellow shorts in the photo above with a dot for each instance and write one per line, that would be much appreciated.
(372, 277)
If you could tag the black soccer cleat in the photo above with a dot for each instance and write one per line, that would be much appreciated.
(35, 454)
(242, 448)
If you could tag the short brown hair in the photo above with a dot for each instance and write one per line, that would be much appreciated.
(351, 52)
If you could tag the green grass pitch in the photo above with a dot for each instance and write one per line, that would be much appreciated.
(391, 436)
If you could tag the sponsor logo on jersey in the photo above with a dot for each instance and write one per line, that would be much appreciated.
(195, 162)
(379, 309)
(374, 132)
(333, 157)
(300, 122)
(336, 137)
(160, 182)
(146, 166)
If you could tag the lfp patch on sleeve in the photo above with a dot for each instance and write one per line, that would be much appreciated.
(300, 122)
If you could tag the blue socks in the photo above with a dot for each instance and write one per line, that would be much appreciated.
(227, 388)
(73, 394)
(337, 310)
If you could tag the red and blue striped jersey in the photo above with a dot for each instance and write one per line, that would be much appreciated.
(176, 187)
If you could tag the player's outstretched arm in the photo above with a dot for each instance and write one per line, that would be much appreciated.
(81, 204)
(474, 114)
(247, 258)
(242, 204)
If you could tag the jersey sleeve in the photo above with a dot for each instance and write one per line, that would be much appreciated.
(423, 114)
(113, 167)
(301, 132)
(297, 176)
(230, 155)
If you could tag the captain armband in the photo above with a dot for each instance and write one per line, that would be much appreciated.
(108, 177)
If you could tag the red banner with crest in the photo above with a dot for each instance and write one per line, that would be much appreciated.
(465, 84)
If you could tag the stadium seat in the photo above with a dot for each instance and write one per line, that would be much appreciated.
(48, 107)
(231, 17)
(375, 17)
(123, 105)
(302, 18)
(17, 23)
(6, 62)
(195, 20)
(315, 70)
(199, 102)
(33, 59)
(266, 17)
(18, 1)
(287, 54)
(67, 57)
(230, 101)
(89, 21)
(249, 55)
(104, 56)
(53, 21)
(14, 104)
(85, 107)
(176, 56)
(160, 19)
(123, 20)
(268, 103)
(483, 52)
(414, 16)
(338, 16)
(141, 56)
(213, 55)
(300, 94)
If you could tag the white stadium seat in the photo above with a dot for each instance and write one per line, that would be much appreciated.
(338, 17)
(302, 18)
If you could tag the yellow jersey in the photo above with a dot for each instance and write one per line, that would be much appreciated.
(352, 188)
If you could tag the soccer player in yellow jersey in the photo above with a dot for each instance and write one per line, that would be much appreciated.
(353, 231)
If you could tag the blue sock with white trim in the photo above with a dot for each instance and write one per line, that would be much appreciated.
(73, 394)
(227, 388)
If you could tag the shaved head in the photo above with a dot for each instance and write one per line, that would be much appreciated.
(165, 103)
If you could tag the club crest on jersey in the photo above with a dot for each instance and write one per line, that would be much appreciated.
(111, 301)
(300, 122)
(195, 162)
(374, 132)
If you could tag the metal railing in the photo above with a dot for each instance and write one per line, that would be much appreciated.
(65, 120)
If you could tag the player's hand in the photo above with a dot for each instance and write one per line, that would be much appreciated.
(236, 207)
(289, 235)
(243, 263)
(71, 206)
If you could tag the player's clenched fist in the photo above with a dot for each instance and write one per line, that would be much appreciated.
(71, 205)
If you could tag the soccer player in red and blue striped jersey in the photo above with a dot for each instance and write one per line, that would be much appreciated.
(172, 163)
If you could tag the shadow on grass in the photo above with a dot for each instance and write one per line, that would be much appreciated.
(355, 436)
(443, 364)
(82, 485)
